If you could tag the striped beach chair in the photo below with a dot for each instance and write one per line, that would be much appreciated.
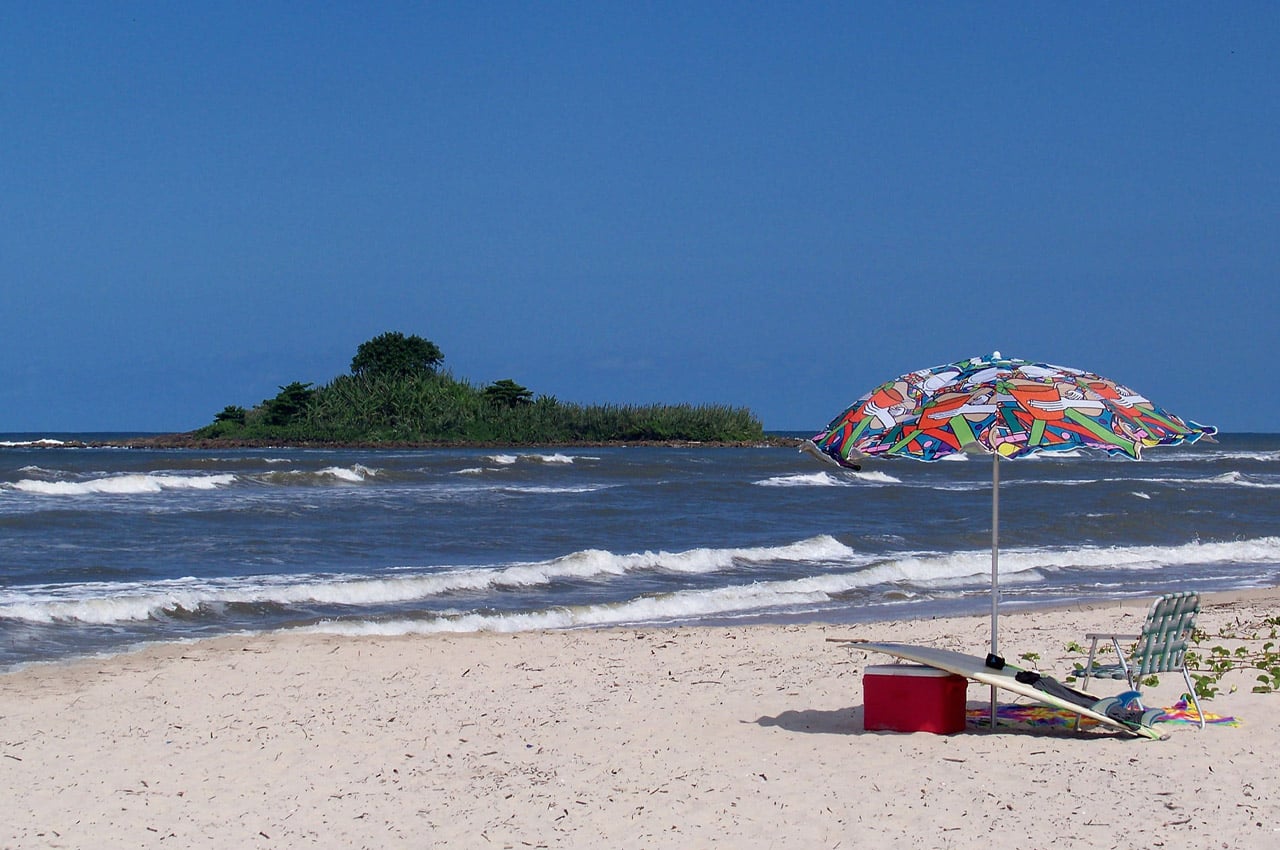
(1160, 648)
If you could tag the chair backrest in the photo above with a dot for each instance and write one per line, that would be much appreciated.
(1163, 644)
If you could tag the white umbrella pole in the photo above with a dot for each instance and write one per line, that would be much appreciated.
(995, 569)
(995, 553)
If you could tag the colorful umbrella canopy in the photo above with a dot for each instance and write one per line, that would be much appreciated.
(1005, 408)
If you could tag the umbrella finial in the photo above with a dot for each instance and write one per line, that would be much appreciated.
(995, 355)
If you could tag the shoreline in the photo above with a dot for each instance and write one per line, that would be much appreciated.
(743, 736)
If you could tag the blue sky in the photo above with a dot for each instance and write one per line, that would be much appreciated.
(769, 205)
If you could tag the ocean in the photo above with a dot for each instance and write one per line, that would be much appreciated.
(102, 549)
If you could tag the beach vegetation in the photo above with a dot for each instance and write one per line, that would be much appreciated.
(1250, 647)
(1241, 647)
(397, 393)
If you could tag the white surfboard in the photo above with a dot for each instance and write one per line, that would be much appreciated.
(972, 667)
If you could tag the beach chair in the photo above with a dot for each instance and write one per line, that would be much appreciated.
(1160, 648)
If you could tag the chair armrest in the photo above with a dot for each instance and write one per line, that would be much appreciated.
(1097, 636)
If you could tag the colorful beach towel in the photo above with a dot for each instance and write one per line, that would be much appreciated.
(1042, 715)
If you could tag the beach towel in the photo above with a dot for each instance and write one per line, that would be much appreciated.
(1041, 715)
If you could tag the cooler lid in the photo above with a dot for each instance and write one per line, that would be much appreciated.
(905, 670)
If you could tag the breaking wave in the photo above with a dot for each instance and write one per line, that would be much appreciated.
(827, 479)
(510, 459)
(355, 474)
(110, 603)
(833, 569)
(117, 485)
(912, 576)
(1239, 479)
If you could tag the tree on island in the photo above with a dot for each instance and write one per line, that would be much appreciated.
(289, 404)
(393, 354)
(507, 393)
(232, 413)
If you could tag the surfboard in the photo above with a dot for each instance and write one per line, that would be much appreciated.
(972, 667)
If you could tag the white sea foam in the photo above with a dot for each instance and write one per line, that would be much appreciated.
(963, 486)
(1201, 455)
(874, 477)
(1241, 480)
(596, 562)
(107, 603)
(118, 603)
(810, 479)
(123, 485)
(835, 569)
(681, 605)
(551, 490)
(1066, 454)
(1231, 479)
(671, 607)
(22, 444)
(555, 458)
(509, 459)
(827, 479)
(354, 474)
(357, 473)
(937, 572)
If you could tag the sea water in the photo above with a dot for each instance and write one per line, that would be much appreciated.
(103, 548)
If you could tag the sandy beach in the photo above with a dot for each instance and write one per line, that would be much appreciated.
(688, 737)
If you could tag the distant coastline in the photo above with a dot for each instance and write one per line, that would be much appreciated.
(397, 395)
(190, 440)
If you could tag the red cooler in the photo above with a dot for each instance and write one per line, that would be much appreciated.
(912, 698)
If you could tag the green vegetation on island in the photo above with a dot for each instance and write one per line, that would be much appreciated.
(397, 393)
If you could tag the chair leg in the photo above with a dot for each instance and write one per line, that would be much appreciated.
(1131, 675)
(1088, 667)
(1088, 672)
(1124, 663)
(1191, 692)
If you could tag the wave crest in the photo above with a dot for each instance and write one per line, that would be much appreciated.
(123, 485)
(109, 603)
(828, 479)
(833, 569)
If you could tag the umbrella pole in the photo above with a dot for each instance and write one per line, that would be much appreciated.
(995, 569)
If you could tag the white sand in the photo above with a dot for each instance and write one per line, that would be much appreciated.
(728, 737)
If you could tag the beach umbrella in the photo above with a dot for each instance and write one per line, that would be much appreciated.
(1004, 408)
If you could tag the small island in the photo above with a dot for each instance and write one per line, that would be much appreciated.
(397, 394)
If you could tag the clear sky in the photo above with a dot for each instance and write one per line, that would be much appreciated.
(770, 205)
